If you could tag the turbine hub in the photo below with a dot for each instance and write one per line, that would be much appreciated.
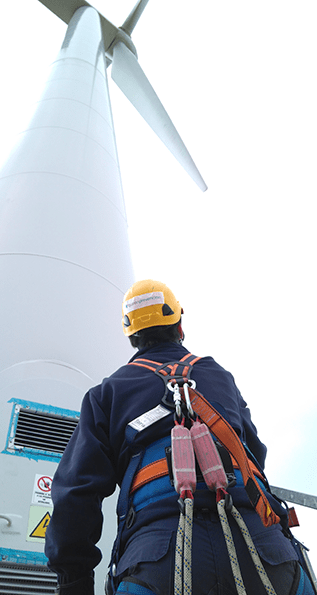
(124, 38)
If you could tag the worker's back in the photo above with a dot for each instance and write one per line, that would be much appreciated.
(202, 543)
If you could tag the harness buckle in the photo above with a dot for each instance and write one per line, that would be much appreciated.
(232, 480)
(131, 516)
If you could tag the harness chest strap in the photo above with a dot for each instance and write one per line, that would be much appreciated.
(159, 468)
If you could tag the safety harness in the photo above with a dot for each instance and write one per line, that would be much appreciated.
(178, 373)
(186, 443)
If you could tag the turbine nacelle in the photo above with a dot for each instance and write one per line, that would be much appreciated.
(130, 78)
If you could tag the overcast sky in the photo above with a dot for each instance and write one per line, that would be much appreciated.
(239, 81)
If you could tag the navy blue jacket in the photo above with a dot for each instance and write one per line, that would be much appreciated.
(98, 453)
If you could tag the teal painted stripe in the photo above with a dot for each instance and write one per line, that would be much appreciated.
(45, 408)
(34, 455)
(22, 557)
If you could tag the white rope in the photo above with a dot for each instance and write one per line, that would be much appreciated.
(183, 551)
(232, 551)
(254, 554)
(179, 550)
(231, 548)
(189, 508)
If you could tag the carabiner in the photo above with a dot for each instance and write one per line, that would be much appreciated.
(187, 398)
(176, 396)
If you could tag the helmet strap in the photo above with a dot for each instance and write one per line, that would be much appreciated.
(181, 333)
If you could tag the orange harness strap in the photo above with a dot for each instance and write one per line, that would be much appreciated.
(154, 470)
(228, 437)
(167, 368)
(159, 469)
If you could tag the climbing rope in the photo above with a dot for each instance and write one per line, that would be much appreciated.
(252, 550)
(187, 573)
(183, 551)
(179, 551)
(221, 506)
(231, 548)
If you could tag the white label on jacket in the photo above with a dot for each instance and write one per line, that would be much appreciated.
(150, 417)
(142, 301)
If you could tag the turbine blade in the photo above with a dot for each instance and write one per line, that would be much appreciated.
(134, 16)
(130, 78)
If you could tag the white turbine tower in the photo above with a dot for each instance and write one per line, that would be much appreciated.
(64, 267)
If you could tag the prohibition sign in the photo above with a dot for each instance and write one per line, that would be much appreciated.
(44, 483)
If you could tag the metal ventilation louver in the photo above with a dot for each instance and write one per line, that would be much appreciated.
(38, 431)
(25, 579)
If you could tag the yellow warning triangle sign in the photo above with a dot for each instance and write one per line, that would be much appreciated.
(40, 529)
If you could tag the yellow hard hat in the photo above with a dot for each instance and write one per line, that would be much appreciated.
(149, 303)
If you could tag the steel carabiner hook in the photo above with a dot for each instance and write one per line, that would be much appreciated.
(176, 396)
(187, 397)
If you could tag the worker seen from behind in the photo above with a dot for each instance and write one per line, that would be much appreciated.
(173, 431)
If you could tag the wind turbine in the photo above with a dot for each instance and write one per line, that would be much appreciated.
(64, 266)
(130, 78)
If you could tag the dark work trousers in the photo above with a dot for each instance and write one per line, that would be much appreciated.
(211, 569)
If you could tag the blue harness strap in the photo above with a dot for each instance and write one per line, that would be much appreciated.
(305, 587)
(124, 499)
(129, 587)
(123, 509)
(307, 582)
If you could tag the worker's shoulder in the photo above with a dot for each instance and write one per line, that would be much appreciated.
(138, 367)
(210, 363)
(165, 353)
(159, 354)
